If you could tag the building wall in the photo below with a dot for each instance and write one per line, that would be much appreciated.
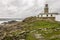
(45, 18)
(49, 15)
(57, 18)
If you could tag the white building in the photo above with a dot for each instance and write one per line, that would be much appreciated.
(46, 13)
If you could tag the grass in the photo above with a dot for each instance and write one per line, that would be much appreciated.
(30, 36)
(45, 24)
(40, 24)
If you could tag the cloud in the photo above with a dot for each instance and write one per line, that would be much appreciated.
(25, 8)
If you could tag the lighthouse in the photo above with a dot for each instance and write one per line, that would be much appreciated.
(46, 14)
(46, 9)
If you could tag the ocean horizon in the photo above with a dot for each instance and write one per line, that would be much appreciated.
(8, 20)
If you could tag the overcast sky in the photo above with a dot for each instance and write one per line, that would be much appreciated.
(25, 8)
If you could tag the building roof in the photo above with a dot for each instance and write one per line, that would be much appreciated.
(48, 13)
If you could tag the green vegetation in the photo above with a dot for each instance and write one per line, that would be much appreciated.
(47, 29)
(42, 24)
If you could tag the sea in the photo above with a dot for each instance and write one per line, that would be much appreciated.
(3, 21)
(10, 19)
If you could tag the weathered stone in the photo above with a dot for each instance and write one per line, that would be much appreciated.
(21, 39)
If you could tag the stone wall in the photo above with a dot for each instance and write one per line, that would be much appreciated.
(46, 18)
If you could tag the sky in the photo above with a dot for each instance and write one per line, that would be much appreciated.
(26, 8)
